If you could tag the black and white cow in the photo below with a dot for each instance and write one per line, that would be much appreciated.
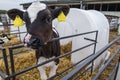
(38, 18)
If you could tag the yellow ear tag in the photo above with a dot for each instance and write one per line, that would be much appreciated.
(18, 21)
(61, 17)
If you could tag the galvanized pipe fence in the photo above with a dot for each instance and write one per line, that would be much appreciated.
(77, 72)
(13, 75)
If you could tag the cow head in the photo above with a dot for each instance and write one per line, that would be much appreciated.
(38, 18)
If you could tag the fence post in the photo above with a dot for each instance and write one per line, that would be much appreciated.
(5, 60)
(19, 34)
(96, 37)
(12, 62)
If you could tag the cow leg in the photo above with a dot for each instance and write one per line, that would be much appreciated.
(42, 73)
(42, 69)
(53, 69)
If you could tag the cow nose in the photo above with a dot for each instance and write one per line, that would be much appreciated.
(36, 42)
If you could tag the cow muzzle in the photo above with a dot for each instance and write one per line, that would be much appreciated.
(34, 43)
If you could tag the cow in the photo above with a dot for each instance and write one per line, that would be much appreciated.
(38, 18)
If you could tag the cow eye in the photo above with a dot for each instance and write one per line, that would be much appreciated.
(48, 20)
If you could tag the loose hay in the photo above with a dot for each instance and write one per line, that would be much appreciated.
(28, 59)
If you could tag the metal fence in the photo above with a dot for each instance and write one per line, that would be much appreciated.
(13, 75)
(81, 66)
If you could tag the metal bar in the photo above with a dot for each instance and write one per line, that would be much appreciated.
(30, 68)
(89, 60)
(19, 34)
(8, 25)
(90, 39)
(102, 2)
(12, 62)
(16, 46)
(107, 63)
(16, 53)
(13, 30)
(76, 77)
(96, 37)
(5, 60)
(15, 33)
(116, 72)
(54, 39)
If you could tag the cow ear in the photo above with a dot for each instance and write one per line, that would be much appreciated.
(57, 11)
(15, 12)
